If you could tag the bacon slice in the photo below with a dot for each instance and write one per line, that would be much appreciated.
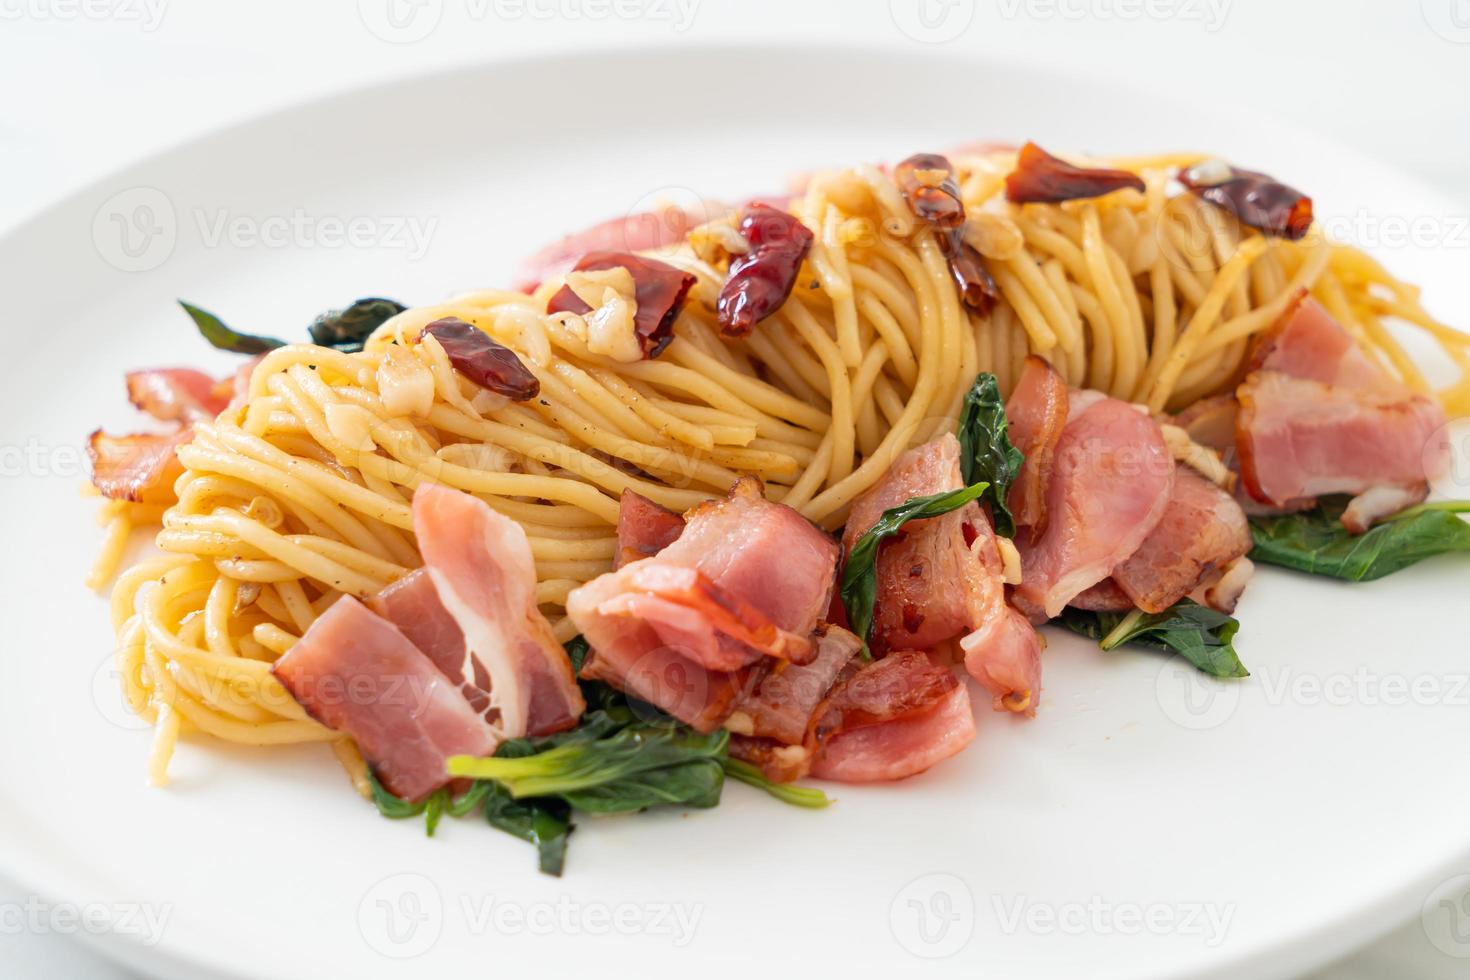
(1105, 596)
(1037, 414)
(640, 232)
(943, 577)
(1203, 529)
(891, 719)
(713, 626)
(764, 552)
(1109, 487)
(481, 567)
(1319, 417)
(928, 579)
(356, 673)
(178, 394)
(412, 604)
(141, 468)
(696, 627)
(781, 705)
(1301, 438)
(644, 528)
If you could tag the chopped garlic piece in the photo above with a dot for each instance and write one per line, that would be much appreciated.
(404, 384)
(1010, 560)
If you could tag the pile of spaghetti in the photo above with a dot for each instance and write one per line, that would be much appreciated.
(1148, 283)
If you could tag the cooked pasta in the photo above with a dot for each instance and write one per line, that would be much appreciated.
(300, 492)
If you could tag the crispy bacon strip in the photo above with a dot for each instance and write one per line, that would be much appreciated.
(178, 394)
(141, 468)
(714, 607)
(644, 528)
(1037, 412)
(1040, 178)
(893, 718)
(659, 289)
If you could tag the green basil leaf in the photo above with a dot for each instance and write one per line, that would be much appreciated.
(802, 796)
(1203, 636)
(213, 329)
(986, 452)
(1315, 541)
(547, 823)
(578, 762)
(346, 330)
(859, 575)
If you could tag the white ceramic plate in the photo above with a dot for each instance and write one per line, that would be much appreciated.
(1145, 824)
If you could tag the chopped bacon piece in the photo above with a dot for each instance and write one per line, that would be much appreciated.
(1301, 438)
(141, 468)
(1105, 596)
(1109, 485)
(1203, 529)
(943, 577)
(746, 580)
(1037, 413)
(658, 287)
(709, 624)
(412, 604)
(781, 706)
(893, 718)
(760, 280)
(1040, 177)
(1253, 198)
(1306, 342)
(1211, 423)
(488, 364)
(1318, 417)
(178, 394)
(644, 528)
(764, 552)
(482, 571)
(356, 673)
(1222, 588)
(641, 232)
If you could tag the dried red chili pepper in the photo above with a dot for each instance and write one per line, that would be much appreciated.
(928, 185)
(1040, 178)
(761, 279)
(659, 289)
(483, 361)
(977, 288)
(1255, 199)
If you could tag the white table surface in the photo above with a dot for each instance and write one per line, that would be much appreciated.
(89, 85)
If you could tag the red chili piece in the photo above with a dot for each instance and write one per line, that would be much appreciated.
(977, 288)
(761, 279)
(935, 202)
(1256, 200)
(1040, 178)
(483, 361)
(659, 289)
